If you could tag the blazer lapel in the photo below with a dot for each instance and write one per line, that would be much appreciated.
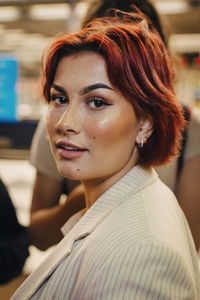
(35, 279)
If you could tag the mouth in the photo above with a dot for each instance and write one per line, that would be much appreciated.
(69, 151)
(69, 147)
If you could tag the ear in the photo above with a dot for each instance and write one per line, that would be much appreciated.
(145, 131)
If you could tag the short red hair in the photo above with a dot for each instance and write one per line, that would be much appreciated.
(138, 66)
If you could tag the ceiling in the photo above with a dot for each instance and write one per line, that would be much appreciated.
(183, 16)
(27, 26)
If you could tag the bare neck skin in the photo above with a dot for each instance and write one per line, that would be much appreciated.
(96, 187)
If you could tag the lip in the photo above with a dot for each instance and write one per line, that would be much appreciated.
(69, 151)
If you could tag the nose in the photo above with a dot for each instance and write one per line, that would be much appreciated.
(69, 122)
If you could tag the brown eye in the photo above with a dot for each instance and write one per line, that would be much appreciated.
(98, 103)
(58, 99)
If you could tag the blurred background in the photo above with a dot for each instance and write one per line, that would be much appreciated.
(26, 27)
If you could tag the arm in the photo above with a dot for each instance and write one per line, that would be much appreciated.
(188, 194)
(47, 214)
(46, 192)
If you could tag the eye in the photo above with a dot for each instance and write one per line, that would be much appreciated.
(59, 99)
(97, 103)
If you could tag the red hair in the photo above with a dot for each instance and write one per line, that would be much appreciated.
(139, 67)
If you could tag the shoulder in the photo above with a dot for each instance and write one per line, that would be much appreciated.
(41, 156)
(144, 269)
(150, 214)
(40, 143)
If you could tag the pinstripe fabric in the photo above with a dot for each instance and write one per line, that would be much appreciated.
(133, 243)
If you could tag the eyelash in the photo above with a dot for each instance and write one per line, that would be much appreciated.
(102, 101)
(54, 97)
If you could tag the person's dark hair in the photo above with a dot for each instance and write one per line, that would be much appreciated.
(138, 66)
(101, 8)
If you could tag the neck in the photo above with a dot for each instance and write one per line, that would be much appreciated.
(96, 187)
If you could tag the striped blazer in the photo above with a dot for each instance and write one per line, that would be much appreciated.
(133, 243)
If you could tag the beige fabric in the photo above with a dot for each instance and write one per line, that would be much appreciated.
(65, 229)
(133, 243)
(41, 156)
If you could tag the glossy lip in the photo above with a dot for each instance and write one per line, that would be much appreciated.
(75, 152)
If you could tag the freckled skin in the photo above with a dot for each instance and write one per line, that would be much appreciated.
(108, 134)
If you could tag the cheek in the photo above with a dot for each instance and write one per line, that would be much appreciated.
(113, 128)
(51, 120)
(50, 125)
(99, 130)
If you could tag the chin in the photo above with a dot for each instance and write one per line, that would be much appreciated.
(68, 173)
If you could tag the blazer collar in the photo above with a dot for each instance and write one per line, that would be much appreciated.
(136, 179)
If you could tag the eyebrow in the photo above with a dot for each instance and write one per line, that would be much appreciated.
(85, 90)
(58, 88)
(95, 86)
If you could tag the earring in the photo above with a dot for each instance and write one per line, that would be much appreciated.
(141, 144)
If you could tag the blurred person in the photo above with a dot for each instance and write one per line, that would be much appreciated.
(112, 116)
(14, 242)
(181, 175)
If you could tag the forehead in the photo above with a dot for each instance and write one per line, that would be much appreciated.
(83, 65)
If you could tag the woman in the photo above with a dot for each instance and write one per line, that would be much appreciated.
(181, 175)
(112, 116)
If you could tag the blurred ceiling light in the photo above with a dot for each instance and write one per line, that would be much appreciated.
(50, 12)
(81, 9)
(184, 43)
(172, 7)
(9, 13)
